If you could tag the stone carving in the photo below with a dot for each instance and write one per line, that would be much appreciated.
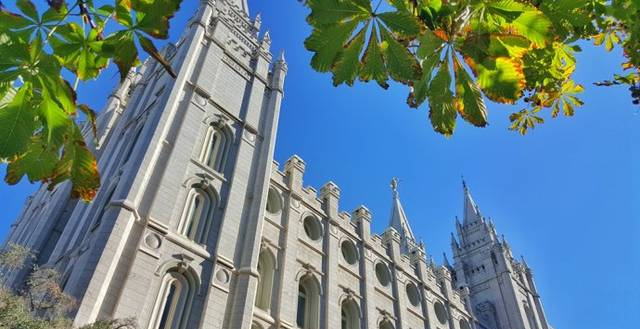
(152, 240)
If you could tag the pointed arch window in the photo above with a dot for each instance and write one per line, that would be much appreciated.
(216, 147)
(350, 315)
(197, 215)
(308, 314)
(173, 303)
(266, 272)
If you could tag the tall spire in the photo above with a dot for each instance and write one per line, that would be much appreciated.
(471, 210)
(398, 218)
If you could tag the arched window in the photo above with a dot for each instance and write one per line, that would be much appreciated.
(308, 315)
(386, 324)
(350, 315)
(215, 149)
(266, 271)
(173, 303)
(197, 215)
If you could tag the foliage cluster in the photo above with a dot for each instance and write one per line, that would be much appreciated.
(42, 304)
(40, 135)
(454, 54)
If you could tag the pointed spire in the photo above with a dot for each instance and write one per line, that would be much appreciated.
(454, 242)
(398, 219)
(471, 210)
(446, 260)
(257, 22)
(281, 57)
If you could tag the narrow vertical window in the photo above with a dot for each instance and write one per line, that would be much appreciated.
(173, 304)
(308, 316)
(266, 273)
(197, 215)
(350, 313)
(215, 150)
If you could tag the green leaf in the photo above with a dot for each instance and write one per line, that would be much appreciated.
(373, 67)
(28, 8)
(441, 110)
(402, 64)
(429, 43)
(347, 66)
(79, 52)
(327, 43)
(36, 163)
(55, 120)
(534, 26)
(9, 21)
(420, 88)
(121, 47)
(327, 12)
(501, 79)
(17, 123)
(469, 102)
(524, 120)
(154, 16)
(507, 6)
(400, 22)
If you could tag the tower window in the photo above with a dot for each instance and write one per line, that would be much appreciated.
(386, 324)
(308, 312)
(350, 315)
(349, 252)
(413, 294)
(441, 312)
(274, 202)
(173, 303)
(215, 149)
(266, 271)
(197, 215)
(382, 273)
(312, 228)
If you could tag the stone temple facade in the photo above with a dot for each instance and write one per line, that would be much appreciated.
(196, 226)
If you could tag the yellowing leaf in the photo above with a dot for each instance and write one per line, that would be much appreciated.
(470, 103)
(501, 79)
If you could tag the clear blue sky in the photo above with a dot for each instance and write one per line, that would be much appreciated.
(566, 196)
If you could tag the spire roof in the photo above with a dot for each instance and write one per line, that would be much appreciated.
(398, 219)
(471, 210)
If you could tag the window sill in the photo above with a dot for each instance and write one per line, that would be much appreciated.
(209, 170)
(197, 249)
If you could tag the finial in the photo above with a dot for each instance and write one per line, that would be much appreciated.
(446, 260)
(394, 186)
(257, 22)
(464, 184)
(281, 57)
